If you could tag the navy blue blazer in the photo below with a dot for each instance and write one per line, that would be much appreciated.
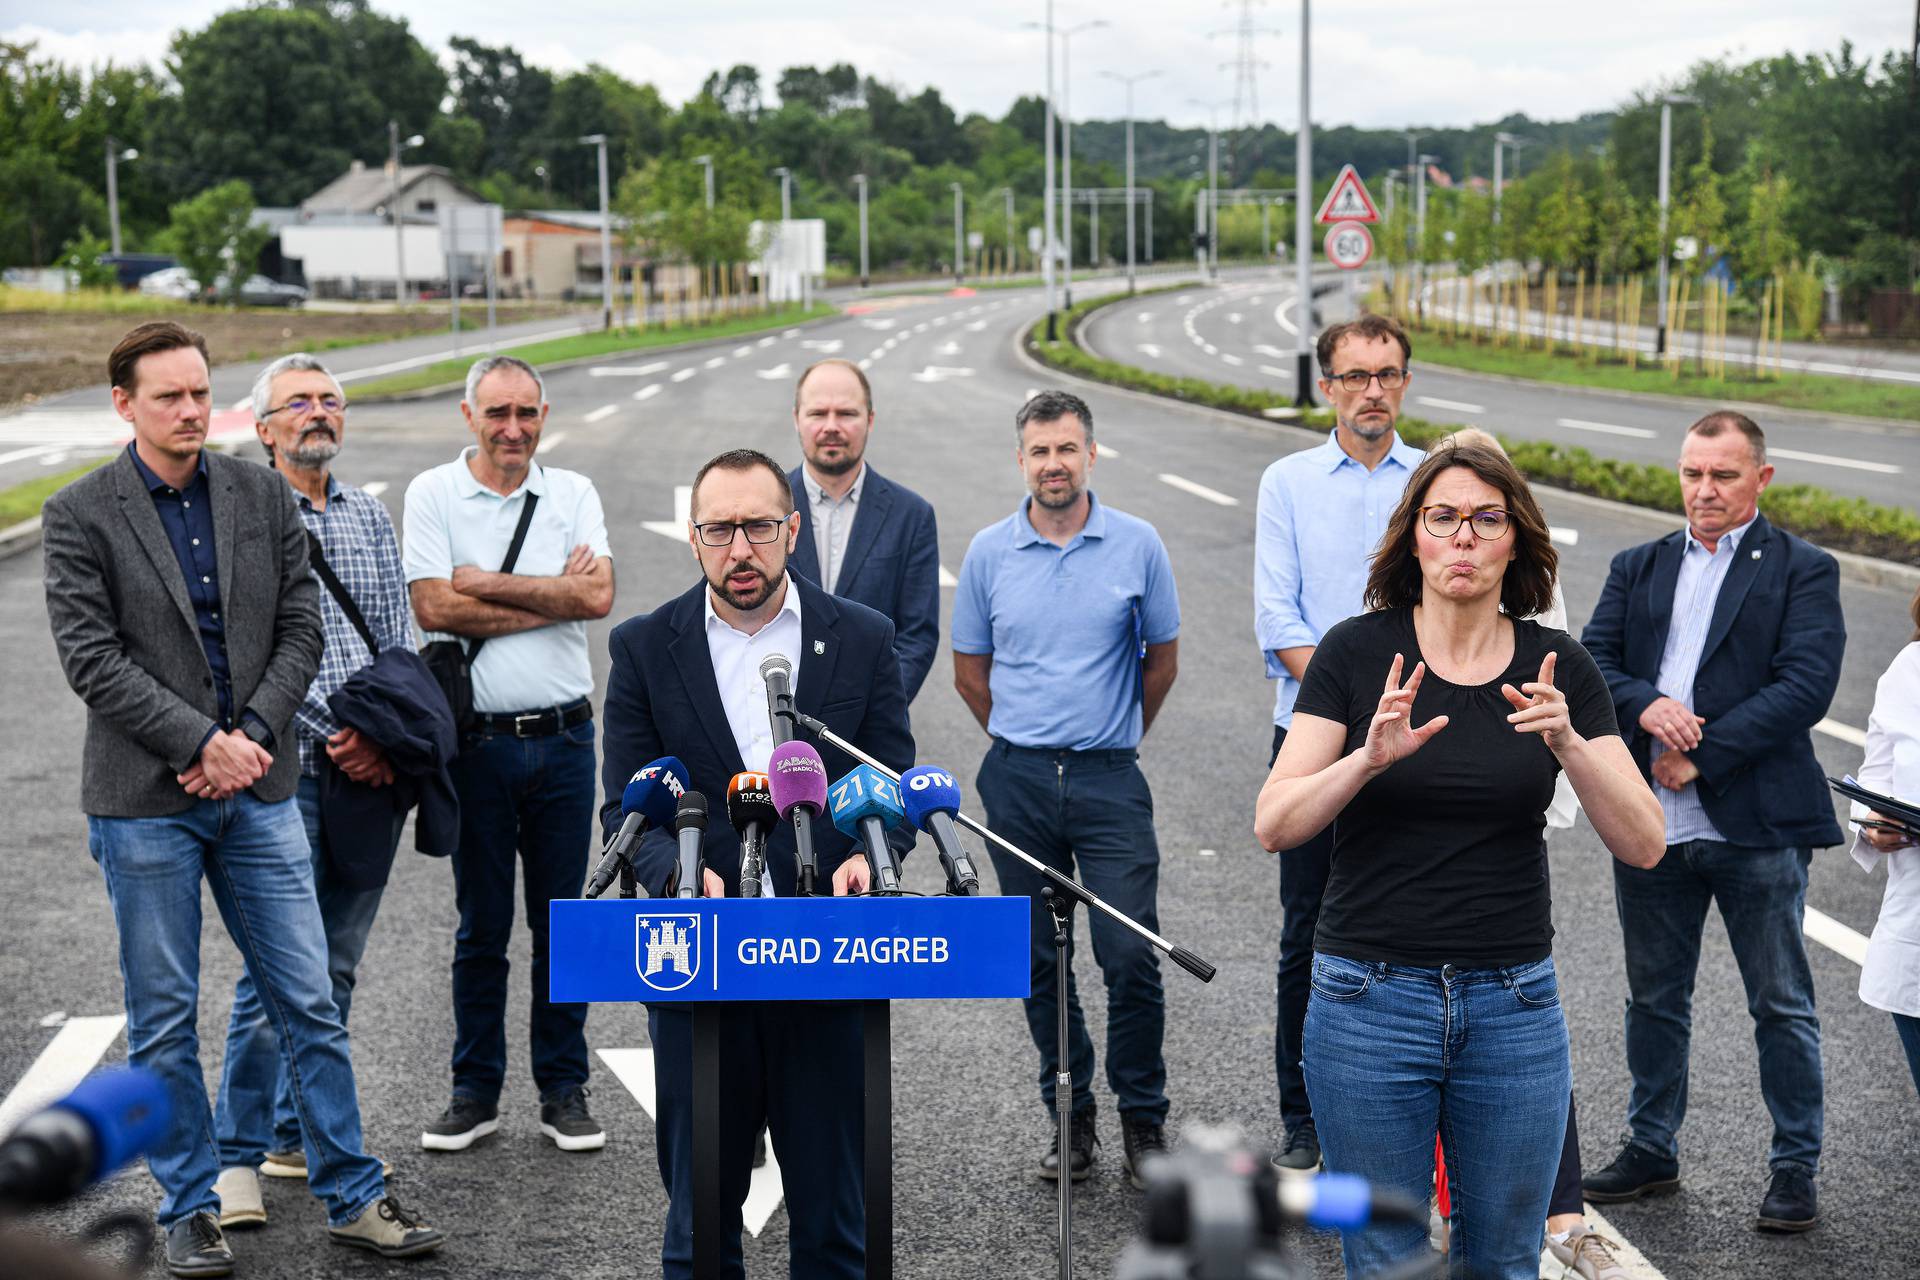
(662, 700)
(892, 566)
(1767, 676)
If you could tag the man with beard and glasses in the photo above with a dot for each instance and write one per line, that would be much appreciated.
(300, 414)
(524, 775)
(863, 537)
(1320, 516)
(685, 679)
(1065, 642)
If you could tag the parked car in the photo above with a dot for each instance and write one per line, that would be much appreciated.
(170, 282)
(258, 291)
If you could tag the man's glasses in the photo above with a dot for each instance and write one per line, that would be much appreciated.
(1357, 379)
(301, 406)
(524, 412)
(719, 533)
(1489, 525)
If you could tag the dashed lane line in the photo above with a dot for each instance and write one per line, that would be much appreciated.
(647, 392)
(1835, 937)
(681, 375)
(551, 440)
(1198, 490)
(604, 412)
(1829, 460)
(1456, 406)
(1607, 428)
(627, 370)
(374, 488)
(1844, 732)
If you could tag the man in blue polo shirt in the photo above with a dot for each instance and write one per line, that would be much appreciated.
(1065, 643)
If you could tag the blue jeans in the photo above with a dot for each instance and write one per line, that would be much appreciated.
(532, 797)
(255, 1112)
(1480, 1055)
(254, 857)
(1093, 808)
(1663, 910)
(1909, 1029)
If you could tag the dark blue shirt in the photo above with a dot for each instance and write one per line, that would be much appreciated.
(187, 516)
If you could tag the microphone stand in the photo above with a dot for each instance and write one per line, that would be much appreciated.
(1060, 906)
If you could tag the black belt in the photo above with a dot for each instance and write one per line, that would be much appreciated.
(543, 723)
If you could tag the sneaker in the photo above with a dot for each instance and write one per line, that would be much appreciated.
(1081, 1142)
(1302, 1152)
(293, 1164)
(385, 1228)
(1589, 1255)
(195, 1247)
(464, 1122)
(1790, 1203)
(1635, 1172)
(240, 1205)
(565, 1120)
(1141, 1140)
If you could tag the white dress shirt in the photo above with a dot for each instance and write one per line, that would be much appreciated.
(1890, 979)
(736, 669)
(833, 524)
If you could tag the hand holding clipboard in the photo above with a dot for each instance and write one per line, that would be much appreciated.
(1893, 824)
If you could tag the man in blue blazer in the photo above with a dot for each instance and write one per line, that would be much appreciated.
(862, 536)
(686, 682)
(1722, 645)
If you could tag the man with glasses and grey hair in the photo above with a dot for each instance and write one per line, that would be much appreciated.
(511, 559)
(1321, 513)
(300, 414)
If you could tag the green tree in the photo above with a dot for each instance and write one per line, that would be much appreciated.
(43, 207)
(1562, 230)
(1762, 243)
(495, 88)
(213, 235)
(82, 256)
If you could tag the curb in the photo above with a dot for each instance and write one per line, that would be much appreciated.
(19, 539)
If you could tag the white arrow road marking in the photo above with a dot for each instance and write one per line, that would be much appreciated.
(1455, 406)
(374, 488)
(604, 412)
(74, 1050)
(549, 440)
(627, 370)
(1199, 490)
(946, 577)
(781, 370)
(681, 375)
(940, 373)
(828, 345)
(1152, 350)
(1828, 460)
(1607, 428)
(647, 392)
(675, 528)
(634, 1068)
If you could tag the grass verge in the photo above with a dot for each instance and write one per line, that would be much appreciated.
(23, 501)
(1834, 522)
(586, 346)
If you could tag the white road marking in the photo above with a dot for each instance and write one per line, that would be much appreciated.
(789, 333)
(1209, 853)
(1198, 490)
(54, 459)
(976, 326)
(604, 412)
(1607, 428)
(1844, 732)
(1564, 536)
(36, 451)
(681, 375)
(1144, 316)
(1231, 358)
(946, 577)
(1453, 406)
(827, 345)
(939, 373)
(766, 341)
(675, 528)
(781, 370)
(1105, 450)
(627, 370)
(714, 363)
(866, 362)
(1836, 937)
(74, 1051)
(743, 351)
(1828, 460)
(549, 440)
(1209, 348)
(1274, 370)
(1262, 348)
(949, 349)
(647, 392)
(880, 324)
(374, 488)
(1233, 317)
(1152, 350)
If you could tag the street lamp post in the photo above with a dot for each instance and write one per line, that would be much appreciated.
(1066, 141)
(1667, 104)
(860, 179)
(1413, 151)
(1130, 81)
(394, 146)
(599, 140)
(114, 156)
(1303, 220)
(959, 249)
(1212, 228)
(1501, 141)
(1046, 204)
(706, 162)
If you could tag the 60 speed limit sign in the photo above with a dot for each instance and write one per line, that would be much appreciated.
(1348, 245)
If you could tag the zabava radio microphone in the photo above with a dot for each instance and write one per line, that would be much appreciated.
(797, 781)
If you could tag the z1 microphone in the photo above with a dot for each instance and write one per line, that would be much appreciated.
(648, 801)
(750, 810)
(777, 672)
(797, 781)
(689, 826)
(931, 798)
(110, 1117)
(865, 804)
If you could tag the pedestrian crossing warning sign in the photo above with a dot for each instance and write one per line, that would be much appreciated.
(1348, 201)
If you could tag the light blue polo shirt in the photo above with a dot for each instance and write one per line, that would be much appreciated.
(1065, 626)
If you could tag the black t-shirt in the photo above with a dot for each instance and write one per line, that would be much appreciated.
(1440, 860)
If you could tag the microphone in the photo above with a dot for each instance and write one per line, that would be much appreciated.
(689, 826)
(931, 798)
(865, 804)
(778, 674)
(111, 1117)
(797, 781)
(750, 810)
(648, 801)
(1344, 1201)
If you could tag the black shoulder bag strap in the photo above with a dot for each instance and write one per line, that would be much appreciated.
(513, 554)
(339, 590)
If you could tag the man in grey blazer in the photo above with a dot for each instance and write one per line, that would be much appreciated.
(187, 621)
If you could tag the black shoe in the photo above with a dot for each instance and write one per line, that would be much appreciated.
(1081, 1140)
(1635, 1172)
(1302, 1152)
(195, 1247)
(565, 1120)
(1790, 1204)
(1141, 1140)
(464, 1122)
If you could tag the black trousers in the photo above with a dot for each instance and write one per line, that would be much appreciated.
(1303, 882)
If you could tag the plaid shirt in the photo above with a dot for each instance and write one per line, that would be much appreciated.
(356, 535)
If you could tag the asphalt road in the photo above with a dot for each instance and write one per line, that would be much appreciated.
(969, 1125)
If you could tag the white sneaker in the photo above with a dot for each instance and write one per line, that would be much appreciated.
(240, 1205)
(1588, 1255)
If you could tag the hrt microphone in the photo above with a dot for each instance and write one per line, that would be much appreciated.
(777, 672)
(797, 780)
(750, 810)
(866, 803)
(111, 1117)
(648, 801)
(689, 827)
(931, 798)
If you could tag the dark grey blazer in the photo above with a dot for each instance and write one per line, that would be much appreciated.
(127, 639)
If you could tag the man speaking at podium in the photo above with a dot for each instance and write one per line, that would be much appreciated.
(686, 680)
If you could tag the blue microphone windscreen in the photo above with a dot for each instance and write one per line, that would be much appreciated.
(926, 790)
(1341, 1201)
(656, 790)
(127, 1109)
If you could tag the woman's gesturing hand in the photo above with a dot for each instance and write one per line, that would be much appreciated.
(1391, 737)
(1540, 708)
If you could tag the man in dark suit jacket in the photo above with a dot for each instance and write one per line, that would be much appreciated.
(685, 681)
(862, 536)
(1722, 647)
(186, 620)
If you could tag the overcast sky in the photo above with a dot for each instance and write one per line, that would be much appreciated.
(1383, 63)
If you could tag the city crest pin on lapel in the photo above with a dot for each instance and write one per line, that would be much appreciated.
(819, 647)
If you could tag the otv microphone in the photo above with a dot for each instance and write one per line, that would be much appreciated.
(931, 797)
(797, 781)
(866, 804)
(750, 810)
(777, 672)
(648, 801)
(689, 828)
(110, 1117)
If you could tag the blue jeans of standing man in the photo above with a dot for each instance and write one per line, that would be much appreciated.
(1762, 895)
(532, 797)
(255, 1113)
(1394, 1054)
(254, 858)
(1091, 808)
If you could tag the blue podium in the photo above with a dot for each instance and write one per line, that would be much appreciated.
(708, 951)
